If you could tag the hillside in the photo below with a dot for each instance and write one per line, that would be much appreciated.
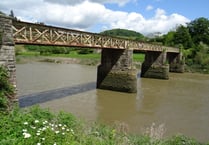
(124, 33)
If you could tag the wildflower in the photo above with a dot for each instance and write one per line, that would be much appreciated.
(44, 128)
(26, 135)
(71, 130)
(38, 143)
(60, 125)
(57, 132)
(45, 122)
(55, 143)
(43, 138)
(24, 130)
(63, 133)
(38, 134)
(36, 121)
(63, 128)
(33, 127)
(25, 123)
(68, 130)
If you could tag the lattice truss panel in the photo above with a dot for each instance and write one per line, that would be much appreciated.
(30, 33)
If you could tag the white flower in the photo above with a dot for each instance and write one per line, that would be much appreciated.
(60, 125)
(33, 127)
(43, 138)
(38, 143)
(45, 122)
(44, 128)
(25, 123)
(37, 133)
(68, 130)
(55, 143)
(63, 128)
(24, 130)
(71, 130)
(52, 129)
(56, 132)
(26, 135)
(63, 133)
(36, 121)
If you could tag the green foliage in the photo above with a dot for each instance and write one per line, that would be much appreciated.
(85, 51)
(199, 30)
(39, 126)
(6, 89)
(123, 33)
(168, 39)
(181, 140)
(45, 50)
(183, 37)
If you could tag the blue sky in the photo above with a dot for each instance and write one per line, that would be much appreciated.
(191, 9)
(144, 16)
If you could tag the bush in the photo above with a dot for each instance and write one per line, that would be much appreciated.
(85, 51)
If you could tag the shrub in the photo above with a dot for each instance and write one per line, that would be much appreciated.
(85, 51)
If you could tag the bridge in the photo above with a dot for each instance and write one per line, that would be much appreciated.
(116, 71)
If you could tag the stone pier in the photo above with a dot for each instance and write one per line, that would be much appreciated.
(176, 62)
(116, 71)
(155, 65)
(7, 49)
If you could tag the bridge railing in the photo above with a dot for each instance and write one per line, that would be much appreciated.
(38, 34)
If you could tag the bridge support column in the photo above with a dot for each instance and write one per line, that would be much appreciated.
(116, 71)
(176, 62)
(155, 65)
(7, 49)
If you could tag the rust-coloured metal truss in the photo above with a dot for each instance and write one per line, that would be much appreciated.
(38, 34)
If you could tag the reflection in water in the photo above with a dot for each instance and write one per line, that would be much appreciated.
(181, 102)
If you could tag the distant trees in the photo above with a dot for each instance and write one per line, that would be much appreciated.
(123, 33)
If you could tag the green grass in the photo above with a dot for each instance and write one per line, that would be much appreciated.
(36, 126)
(139, 57)
(74, 54)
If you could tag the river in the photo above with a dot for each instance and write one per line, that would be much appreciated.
(180, 103)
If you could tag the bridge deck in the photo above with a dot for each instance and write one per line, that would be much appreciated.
(30, 33)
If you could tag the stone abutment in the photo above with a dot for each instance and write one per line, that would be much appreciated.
(7, 49)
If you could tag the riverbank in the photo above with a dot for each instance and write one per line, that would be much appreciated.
(40, 126)
(22, 59)
(83, 60)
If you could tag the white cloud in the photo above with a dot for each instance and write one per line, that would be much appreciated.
(85, 14)
(149, 8)
(74, 2)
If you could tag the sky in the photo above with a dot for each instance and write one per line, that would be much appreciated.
(144, 16)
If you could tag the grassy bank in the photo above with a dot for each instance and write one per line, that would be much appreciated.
(36, 126)
(23, 55)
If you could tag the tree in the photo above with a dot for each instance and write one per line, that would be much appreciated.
(199, 30)
(183, 37)
(168, 38)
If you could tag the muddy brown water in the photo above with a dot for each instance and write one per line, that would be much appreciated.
(180, 103)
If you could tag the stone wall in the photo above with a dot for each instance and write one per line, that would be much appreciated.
(7, 49)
